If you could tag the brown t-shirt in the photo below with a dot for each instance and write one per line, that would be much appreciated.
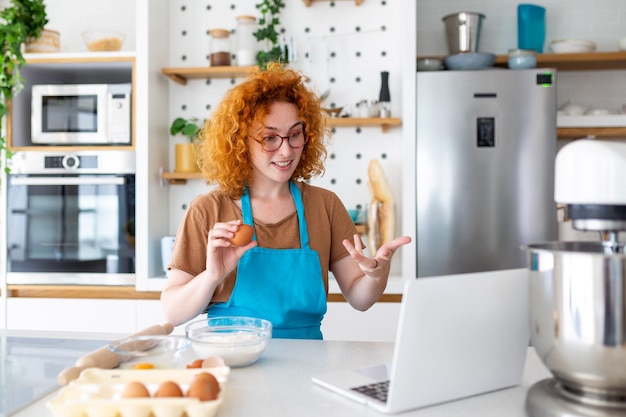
(328, 224)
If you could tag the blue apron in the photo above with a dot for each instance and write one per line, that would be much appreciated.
(283, 286)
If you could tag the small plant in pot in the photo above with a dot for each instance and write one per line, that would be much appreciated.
(186, 160)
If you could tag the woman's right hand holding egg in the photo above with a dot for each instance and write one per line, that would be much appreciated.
(227, 242)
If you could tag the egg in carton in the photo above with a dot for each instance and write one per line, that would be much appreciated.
(143, 393)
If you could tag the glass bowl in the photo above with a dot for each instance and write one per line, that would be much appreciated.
(148, 352)
(103, 40)
(239, 341)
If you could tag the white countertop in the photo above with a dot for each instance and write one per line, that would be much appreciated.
(279, 384)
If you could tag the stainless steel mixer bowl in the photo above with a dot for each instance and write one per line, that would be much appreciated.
(578, 315)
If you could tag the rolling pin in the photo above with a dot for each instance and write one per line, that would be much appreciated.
(104, 358)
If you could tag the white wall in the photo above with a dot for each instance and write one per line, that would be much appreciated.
(71, 17)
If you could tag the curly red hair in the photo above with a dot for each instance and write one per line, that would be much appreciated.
(224, 151)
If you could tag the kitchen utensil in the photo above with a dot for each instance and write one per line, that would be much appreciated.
(531, 27)
(104, 358)
(463, 31)
(563, 46)
(576, 323)
(334, 112)
(577, 289)
(325, 95)
(384, 97)
(470, 61)
(240, 341)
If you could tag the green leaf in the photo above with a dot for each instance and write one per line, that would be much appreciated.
(23, 20)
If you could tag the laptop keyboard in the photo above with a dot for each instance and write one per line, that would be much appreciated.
(377, 390)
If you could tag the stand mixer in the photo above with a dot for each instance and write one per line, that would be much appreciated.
(578, 289)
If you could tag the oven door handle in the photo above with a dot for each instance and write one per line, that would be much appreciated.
(68, 181)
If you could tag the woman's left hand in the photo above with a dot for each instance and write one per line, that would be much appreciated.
(379, 265)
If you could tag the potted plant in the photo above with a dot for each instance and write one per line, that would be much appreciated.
(23, 20)
(186, 160)
(270, 11)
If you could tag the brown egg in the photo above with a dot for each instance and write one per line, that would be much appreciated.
(210, 378)
(195, 364)
(204, 387)
(169, 389)
(243, 235)
(135, 389)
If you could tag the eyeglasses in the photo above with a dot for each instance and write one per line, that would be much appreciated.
(272, 143)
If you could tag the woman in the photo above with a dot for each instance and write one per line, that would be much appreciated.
(262, 141)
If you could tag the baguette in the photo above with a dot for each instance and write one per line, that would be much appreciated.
(381, 218)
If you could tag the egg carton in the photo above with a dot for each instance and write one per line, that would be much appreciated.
(98, 393)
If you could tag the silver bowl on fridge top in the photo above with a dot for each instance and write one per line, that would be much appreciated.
(463, 31)
(578, 315)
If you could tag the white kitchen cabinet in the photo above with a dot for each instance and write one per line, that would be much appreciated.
(341, 322)
(149, 312)
(62, 314)
(378, 324)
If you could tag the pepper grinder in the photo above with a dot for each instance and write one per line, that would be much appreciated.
(384, 98)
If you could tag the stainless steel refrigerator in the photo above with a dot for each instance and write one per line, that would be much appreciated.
(486, 143)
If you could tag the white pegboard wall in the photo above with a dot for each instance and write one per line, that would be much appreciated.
(339, 46)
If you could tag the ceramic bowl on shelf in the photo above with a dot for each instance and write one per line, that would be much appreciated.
(564, 46)
(522, 59)
(103, 40)
(429, 64)
(470, 61)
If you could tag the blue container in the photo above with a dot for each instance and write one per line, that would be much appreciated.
(531, 27)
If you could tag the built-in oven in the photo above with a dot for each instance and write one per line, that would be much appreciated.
(71, 218)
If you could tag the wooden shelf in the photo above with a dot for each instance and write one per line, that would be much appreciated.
(384, 122)
(180, 178)
(589, 61)
(182, 74)
(597, 132)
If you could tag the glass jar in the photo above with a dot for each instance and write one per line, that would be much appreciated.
(219, 47)
(246, 42)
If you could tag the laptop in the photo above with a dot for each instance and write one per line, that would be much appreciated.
(458, 336)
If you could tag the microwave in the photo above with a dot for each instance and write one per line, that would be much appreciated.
(81, 114)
